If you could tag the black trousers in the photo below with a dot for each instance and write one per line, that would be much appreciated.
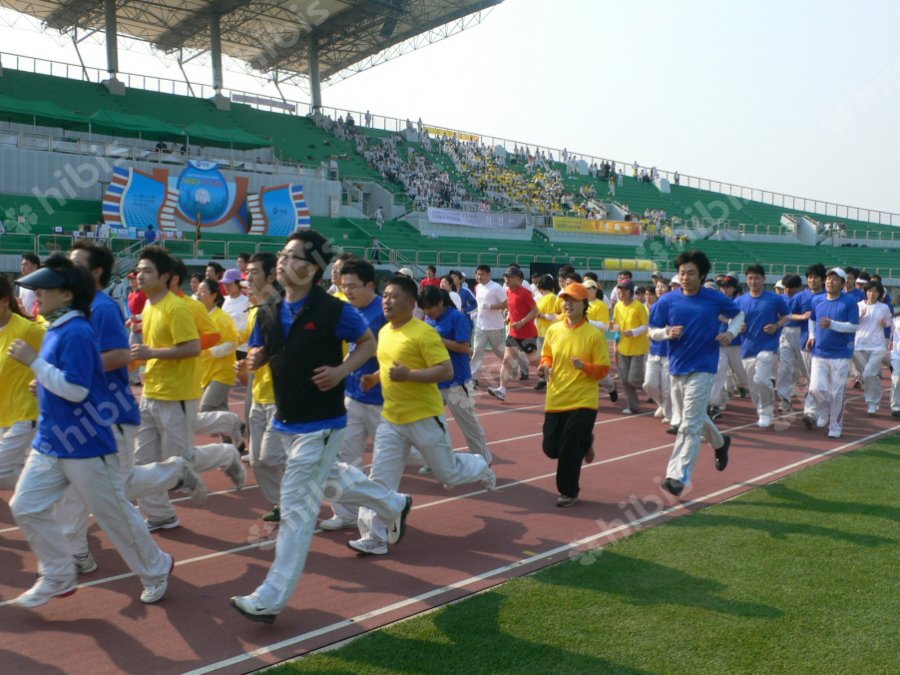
(568, 436)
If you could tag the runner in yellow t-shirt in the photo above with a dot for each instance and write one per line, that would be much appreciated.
(18, 405)
(412, 359)
(632, 320)
(574, 357)
(549, 306)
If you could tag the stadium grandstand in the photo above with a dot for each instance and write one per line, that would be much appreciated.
(96, 153)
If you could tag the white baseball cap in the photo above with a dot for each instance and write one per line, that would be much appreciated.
(406, 272)
(675, 280)
(837, 270)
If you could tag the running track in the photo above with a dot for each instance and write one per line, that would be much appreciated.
(458, 542)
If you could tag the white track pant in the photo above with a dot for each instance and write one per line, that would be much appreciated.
(362, 423)
(868, 363)
(482, 338)
(729, 358)
(15, 442)
(99, 483)
(311, 473)
(895, 383)
(791, 365)
(827, 383)
(656, 383)
(460, 400)
(760, 371)
(267, 452)
(692, 393)
(218, 422)
(392, 445)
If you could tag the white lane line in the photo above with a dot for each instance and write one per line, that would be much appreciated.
(565, 548)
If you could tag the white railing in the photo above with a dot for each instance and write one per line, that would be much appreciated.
(790, 202)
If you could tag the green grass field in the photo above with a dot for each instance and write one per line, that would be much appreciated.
(797, 577)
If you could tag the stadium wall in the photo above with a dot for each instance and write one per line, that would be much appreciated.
(59, 177)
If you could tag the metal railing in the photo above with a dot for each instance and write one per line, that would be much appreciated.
(392, 124)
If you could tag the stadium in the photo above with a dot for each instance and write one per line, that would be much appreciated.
(90, 152)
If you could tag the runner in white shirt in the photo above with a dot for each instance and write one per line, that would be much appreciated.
(489, 322)
(869, 347)
(236, 305)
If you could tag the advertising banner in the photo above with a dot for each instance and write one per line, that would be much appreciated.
(483, 219)
(615, 227)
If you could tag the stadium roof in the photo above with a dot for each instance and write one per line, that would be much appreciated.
(267, 34)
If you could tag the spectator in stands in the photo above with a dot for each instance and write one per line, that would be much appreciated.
(161, 146)
(677, 178)
(368, 119)
(431, 278)
(149, 235)
(379, 218)
(375, 246)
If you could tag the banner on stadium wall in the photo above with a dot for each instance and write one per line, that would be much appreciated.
(448, 133)
(616, 227)
(486, 220)
(200, 199)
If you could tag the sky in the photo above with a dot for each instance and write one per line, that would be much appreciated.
(792, 96)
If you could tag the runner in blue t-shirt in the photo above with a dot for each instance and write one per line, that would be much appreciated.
(74, 444)
(458, 393)
(791, 366)
(357, 279)
(764, 315)
(832, 323)
(689, 318)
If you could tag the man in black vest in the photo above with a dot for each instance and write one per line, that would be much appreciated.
(299, 336)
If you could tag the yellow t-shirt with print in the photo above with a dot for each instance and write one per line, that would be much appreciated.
(220, 369)
(570, 388)
(263, 388)
(629, 317)
(167, 323)
(546, 304)
(17, 404)
(415, 345)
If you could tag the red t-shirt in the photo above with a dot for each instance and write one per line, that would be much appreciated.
(520, 303)
(430, 282)
(136, 301)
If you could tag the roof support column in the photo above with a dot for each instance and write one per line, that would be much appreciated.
(112, 48)
(215, 50)
(315, 85)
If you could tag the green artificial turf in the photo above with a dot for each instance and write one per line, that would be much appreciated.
(800, 576)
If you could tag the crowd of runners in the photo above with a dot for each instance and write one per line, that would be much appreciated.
(328, 369)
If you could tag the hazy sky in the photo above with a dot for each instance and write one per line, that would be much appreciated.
(794, 96)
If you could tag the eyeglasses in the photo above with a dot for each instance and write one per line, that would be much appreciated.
(350, 287)
(289, 255)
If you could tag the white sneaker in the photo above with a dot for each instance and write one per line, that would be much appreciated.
(834, 433)
(250, 607)
(489, 479)
(873, 409)
(424, 471)
(659, 414)
(822, 421)
(627, 411)
(334, 523)
(764, 421)
(368, 546)
(156, 592)
(666, 420)
(497, 392)
(85, 563)
(44, 590)
(236, 471)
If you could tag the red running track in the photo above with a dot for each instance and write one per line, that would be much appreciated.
(458, 542)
